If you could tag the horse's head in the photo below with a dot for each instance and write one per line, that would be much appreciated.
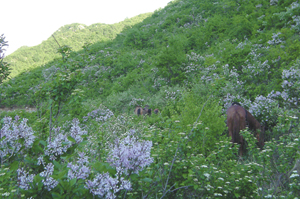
(146, 110)
(260, 132)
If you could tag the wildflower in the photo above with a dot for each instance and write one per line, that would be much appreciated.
(104, 185)
(295, 174)
(58, 145)
(206, 175)
(49, 182)
(79, 171)
(76, 131)
(130, 154)
(24, 179)
(11, 133)
(6, 194)
(217, 194)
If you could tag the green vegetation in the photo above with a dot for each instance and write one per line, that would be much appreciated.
(191, 60)
(74, 35)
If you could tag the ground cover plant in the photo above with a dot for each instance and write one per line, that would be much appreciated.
(190, 60)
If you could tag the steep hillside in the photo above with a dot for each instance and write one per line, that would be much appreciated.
(191, 60)
(73, 35)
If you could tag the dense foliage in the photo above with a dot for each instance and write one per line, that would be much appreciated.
(4, 66)
(190, 60)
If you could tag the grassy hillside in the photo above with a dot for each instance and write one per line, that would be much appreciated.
(73, 35)
(190, 60)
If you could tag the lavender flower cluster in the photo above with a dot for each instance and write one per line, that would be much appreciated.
(262, 107)
(58, 145)
(136, 102)
(24, 179)
(291, 84)
(275, 39)
(173, 95)
(130, 155)
(49, 182)
(101, 115)
(104, 185)
(79, 170)
(76, 131)
(11, 133)
(194, 64)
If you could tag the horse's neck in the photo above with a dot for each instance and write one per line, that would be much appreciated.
(252, 122)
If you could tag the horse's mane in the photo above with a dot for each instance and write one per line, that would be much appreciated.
(236, 103)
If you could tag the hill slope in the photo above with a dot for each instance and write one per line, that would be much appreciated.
(74, 35)
(190, 60)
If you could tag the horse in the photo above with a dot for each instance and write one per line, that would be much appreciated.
(146, 110)
(237, 119)
(138, 110)
(156, 111)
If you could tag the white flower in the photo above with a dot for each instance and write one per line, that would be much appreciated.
(294, 175)
(206, 175)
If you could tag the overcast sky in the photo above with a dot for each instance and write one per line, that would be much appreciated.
(29, 22)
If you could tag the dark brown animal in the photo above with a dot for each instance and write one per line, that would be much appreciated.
(237, 119)
(146, 110)
(156, 111)
(138, 110)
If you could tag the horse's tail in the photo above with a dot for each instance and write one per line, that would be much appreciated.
(236, 128)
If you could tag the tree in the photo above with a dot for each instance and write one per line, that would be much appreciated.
(4, 66)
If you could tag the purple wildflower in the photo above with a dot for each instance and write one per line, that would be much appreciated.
(24, 179)
(49, 182)
(76, 131)
(130, 154)
(58, 145)
(104, 185)
(11, 133)
(79, 171)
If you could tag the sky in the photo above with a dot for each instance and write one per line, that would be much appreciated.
(29, 22)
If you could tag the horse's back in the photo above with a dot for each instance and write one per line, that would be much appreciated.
(235, 110)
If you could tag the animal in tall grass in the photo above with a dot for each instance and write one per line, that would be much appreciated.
(147, 110)
(138, 110)
(156, 111)
(238, 119)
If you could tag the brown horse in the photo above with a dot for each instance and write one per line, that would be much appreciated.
(237, 119)
(138, 110)
(146, 110)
